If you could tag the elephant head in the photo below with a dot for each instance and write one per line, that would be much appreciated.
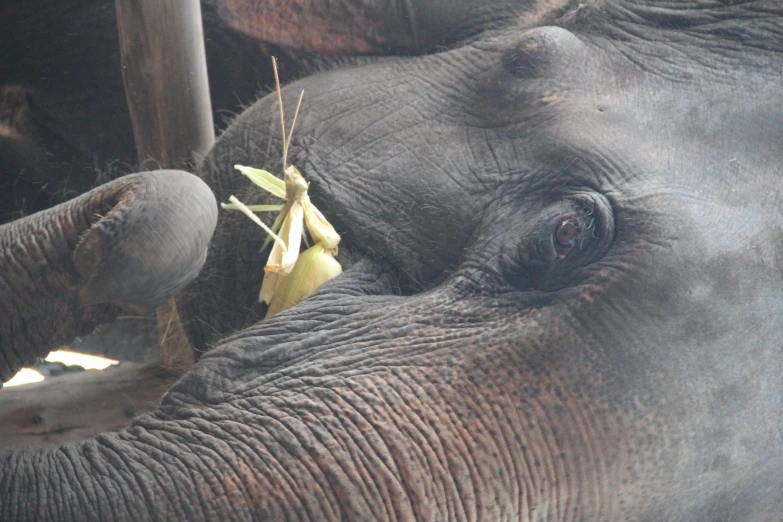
(562, 298)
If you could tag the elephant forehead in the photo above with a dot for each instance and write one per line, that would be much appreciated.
(458, 124)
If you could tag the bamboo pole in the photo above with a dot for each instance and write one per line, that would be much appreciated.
(164, 70)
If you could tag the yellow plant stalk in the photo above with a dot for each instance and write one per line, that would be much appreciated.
(290, 276)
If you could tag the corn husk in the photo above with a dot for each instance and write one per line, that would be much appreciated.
(320, 229)
(288, 275)
(283, 256)
(235, 204)
(315, 266)
(266, 180)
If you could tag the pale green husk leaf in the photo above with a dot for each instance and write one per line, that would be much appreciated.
(314, 267)
(253, 208)
(265, 180)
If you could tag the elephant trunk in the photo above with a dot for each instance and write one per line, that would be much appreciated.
(132, 243)
(109, 478)
(139, 474)
(284, 451)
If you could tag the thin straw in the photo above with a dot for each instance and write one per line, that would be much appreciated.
(282, 116)
(293, 123)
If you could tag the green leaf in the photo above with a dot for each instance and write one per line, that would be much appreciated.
(246, 211)
(254, 208)
(264, 179)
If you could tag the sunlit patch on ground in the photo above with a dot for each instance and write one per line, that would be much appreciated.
(88, 362)
(25, 376)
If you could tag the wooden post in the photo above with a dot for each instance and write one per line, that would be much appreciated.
(164, 67)
(164, 70)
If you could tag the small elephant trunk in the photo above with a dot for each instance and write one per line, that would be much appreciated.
(130, 244)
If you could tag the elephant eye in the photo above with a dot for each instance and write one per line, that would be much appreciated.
(571, 233)
(554, 245)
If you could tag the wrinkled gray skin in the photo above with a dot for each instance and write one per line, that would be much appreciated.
(126, 246)
(468, 366)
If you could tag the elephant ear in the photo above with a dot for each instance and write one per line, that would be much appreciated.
(372, 27)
